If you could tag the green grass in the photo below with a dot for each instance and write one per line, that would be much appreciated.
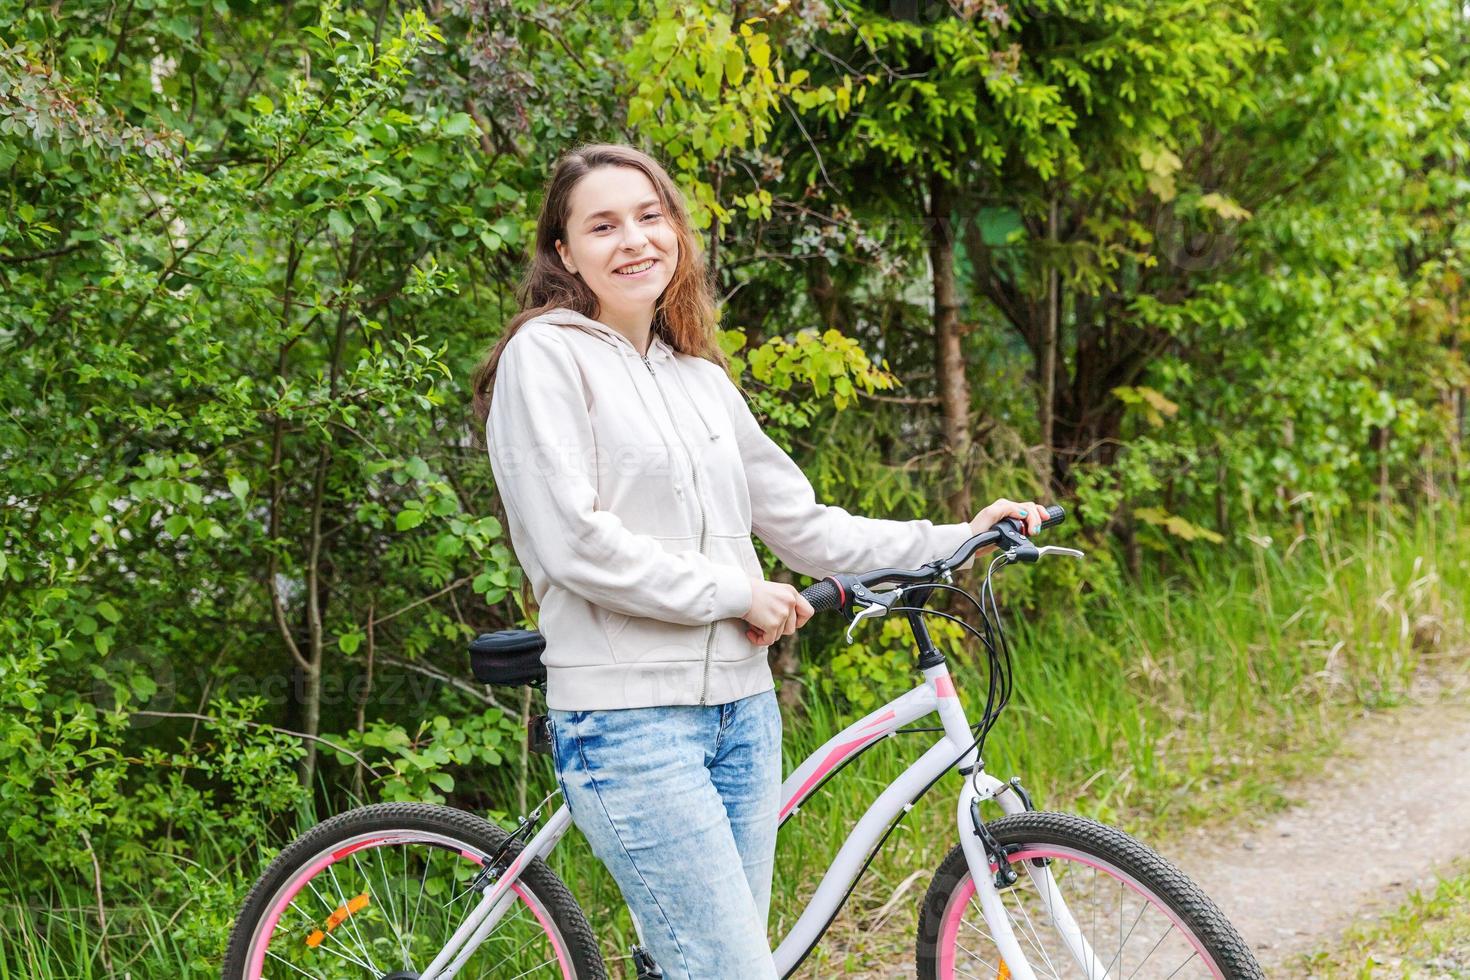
(1191, 703)
(1427, 936)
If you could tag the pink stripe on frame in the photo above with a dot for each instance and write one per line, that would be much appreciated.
(944, 686)
(828, 764)
(888, 715)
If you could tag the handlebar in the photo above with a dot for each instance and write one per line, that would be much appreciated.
(838, 591)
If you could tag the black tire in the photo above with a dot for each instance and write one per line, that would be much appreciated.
(1131, 874)
(461, 837)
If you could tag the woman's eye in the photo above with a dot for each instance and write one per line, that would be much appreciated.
(651, 214)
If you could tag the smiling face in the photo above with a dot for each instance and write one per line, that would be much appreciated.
(617, 222)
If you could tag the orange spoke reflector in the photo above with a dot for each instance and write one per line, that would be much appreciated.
(1004, 972)
(354, 905)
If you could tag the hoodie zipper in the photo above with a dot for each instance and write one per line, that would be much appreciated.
(699, 499)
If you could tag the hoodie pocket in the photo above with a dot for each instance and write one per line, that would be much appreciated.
(637, 639)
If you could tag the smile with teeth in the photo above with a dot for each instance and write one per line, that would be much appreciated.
(633, 270)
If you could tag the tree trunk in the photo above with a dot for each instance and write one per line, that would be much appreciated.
(954, 386)
(359, 779)
(316, 588)
(1047, 368)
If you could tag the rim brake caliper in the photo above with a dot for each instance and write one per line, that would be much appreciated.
(1005, 875)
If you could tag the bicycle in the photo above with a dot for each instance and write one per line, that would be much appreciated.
(1030, 894)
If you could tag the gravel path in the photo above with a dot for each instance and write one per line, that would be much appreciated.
(1392, 809)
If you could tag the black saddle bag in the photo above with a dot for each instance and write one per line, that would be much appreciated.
(511, 657)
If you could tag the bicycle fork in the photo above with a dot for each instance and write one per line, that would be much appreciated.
(1010, 801)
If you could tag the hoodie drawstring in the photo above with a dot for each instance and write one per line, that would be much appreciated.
(713, 435)
(610, 336)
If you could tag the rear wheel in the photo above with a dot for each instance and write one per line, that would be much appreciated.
(375, 894)
(1140, 916)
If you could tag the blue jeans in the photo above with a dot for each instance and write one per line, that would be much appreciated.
(680, 802)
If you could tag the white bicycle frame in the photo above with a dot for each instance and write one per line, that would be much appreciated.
(953, 750)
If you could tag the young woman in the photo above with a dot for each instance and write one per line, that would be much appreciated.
(633, 475)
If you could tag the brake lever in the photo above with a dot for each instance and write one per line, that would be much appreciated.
(1027, 552)
(877, 608)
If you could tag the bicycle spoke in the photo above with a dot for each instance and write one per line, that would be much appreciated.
(397, 923)
(403, 850)
(372, 893)
(423, 879)
(1034, 937)
(1054, 898)
(1093, 959)
(340, 949)
(970, 925)
(286, 962)
(1192, 956)
(512, 953)
(1159, 942)
(327, 934)
(1124, 941)
(977, 957)
(536, 967)
(349, 921)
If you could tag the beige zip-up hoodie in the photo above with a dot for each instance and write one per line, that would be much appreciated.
(632, 485)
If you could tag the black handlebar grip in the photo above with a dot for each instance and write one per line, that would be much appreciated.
(823, 596)
(1054, 516)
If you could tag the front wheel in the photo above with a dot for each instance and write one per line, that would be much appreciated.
(375, 894)
(1136, 915)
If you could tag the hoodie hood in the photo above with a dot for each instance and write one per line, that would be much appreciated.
(571, 318)
(659, 352)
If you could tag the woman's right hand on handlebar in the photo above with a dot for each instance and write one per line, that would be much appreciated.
(776, 610)
(1029, 513)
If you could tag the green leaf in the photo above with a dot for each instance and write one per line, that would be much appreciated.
(337, 221)
(407, 520)
(459, 124)
(734, 65)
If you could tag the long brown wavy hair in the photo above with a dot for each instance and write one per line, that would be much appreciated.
(685, 315)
